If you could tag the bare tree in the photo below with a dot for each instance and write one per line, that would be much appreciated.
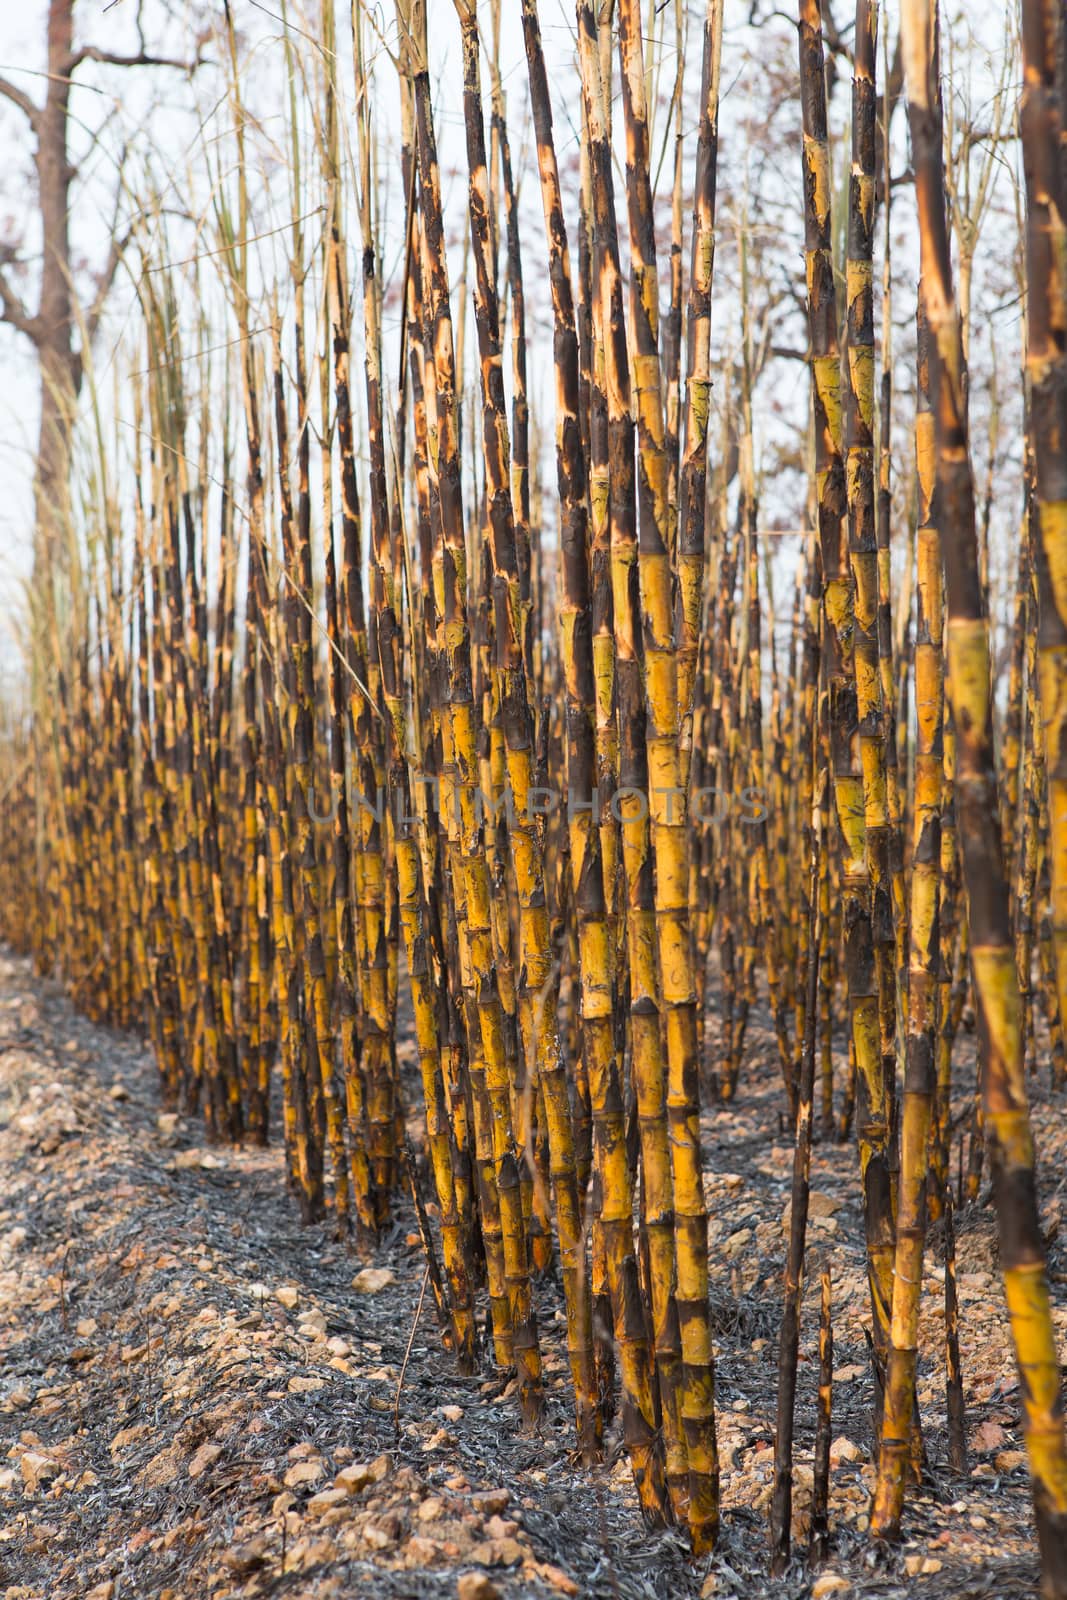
(53, 328)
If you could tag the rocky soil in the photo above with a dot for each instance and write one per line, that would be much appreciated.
(200, 1398)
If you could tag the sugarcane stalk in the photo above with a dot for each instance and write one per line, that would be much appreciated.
(595, 935)
(793, 1286)
(632, 804)
(924, 970)
(1040, 124)
(1007, 1120)
(842, 672)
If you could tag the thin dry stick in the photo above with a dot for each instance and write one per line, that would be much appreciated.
(954, 1403)
(429, 1248)
(781, 1509)
(820, 1492)
(407, 1352)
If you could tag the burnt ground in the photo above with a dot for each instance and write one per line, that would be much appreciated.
(198, 1400)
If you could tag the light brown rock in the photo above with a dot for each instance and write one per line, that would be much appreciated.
(203, 1458)
(497, 1552)
(381, 1534)
(987, 1437)
(500, 1527)
(372, 1280)
(37, 1469)
(245, 1558)
(301, 1473)
(326, 1500)
(358, 1476)
(855, 1369)
(476, 1586)
(355, 1478)
(555, 1577)
(491, 1500)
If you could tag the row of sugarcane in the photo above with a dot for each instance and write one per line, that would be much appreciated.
(299, 752)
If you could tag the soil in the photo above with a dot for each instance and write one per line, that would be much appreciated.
(201, 1398)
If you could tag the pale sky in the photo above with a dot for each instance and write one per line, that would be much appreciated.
(759, 175)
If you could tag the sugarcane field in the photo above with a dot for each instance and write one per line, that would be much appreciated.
(533, 800)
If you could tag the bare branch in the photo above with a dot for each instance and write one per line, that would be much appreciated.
(104, 281)
(13, 311)
(836, 45)
(109, 58)
(18, 98)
